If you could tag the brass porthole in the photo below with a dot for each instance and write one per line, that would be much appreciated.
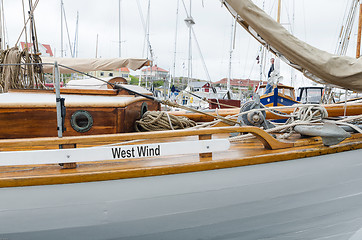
(144, 108)
(81, 121)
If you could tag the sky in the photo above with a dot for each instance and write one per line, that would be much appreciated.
(317, 22)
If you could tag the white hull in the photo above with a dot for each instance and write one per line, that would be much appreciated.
(311, 198)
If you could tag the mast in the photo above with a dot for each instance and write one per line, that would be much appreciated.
(61, 28)
(230, 58)
(97, 46)
(175, 46)
(32, 29)
(279, 7)
(2, 36)
(119, 30)
(75, 44)
(189, 21)
(358, 51)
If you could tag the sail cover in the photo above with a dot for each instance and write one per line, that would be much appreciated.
(317, 65)
(93, 64)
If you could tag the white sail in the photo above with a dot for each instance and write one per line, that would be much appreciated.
(93, 64)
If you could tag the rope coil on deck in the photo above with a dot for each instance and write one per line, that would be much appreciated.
(309, 114)
(160, 121)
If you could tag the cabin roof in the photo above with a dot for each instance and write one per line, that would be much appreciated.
(47, 99)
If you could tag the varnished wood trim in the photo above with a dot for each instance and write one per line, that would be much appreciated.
(72, 176)
(205, 137)
(334, 110)
(268, 141)
(70, 165)
(103, 92)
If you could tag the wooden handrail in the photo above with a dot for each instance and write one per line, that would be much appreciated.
(268, 141)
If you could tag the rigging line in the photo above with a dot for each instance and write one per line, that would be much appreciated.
(26, 32)
(198, 46)
(183, 3)
(341, 30)
(66, 26)
(202, 58)
(247, 56)
(32, 29)
(145, 30)
(30, 13)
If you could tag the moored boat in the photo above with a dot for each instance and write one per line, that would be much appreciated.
(253, 190)
(186, 184)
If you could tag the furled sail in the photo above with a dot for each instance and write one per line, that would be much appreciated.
(317, 65)
(93, 64)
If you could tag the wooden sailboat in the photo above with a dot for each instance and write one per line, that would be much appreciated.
(185, 184)
(251, 190)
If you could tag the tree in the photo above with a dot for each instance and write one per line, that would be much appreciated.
(134, 80)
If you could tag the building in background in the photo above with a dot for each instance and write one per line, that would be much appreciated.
(241, 84)
(44, 49)
(155, 73)
(122, 72)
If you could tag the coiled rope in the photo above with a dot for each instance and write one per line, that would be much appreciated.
(161, 120)
(302, 115)
(305, 114)
(15, 77)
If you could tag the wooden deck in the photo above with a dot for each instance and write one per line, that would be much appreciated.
(247, 152)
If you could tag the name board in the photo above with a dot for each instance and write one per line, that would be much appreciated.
(112, 153)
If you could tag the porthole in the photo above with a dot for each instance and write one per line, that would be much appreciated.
(81, 121)
(144, 108)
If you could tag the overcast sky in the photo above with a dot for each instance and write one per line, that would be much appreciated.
(318, 22)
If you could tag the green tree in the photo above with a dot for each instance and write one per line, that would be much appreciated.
(134, 80)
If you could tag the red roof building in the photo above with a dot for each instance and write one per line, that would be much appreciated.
(241, 83)
(44, 49)
(154, 69)
(155, 73)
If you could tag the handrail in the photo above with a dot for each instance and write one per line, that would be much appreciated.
(268, 141)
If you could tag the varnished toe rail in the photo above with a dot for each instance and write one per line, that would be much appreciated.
(204, 134)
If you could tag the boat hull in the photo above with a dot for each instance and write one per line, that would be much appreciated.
(224, 103)
(310, 198)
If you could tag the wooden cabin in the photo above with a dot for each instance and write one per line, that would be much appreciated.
(32, 113)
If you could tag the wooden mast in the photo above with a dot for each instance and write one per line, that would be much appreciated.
(279, 7)
(358, 51)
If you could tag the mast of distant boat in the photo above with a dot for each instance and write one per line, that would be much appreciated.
(175, 44)
(2, 27)
(277, 59)
(228, 92)
(119, 30)
(189, 21)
